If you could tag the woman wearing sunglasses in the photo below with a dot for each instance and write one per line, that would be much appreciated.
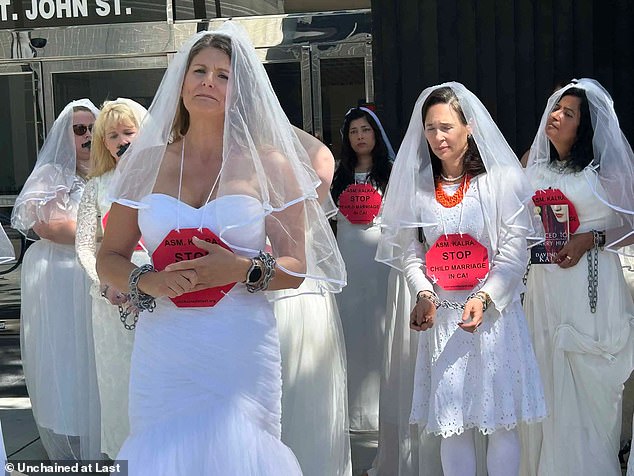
(56, 331)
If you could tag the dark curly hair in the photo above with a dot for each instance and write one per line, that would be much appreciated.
(381, 165)
(473, 164)
(581, 152)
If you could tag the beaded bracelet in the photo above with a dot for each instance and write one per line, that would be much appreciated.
(142, 301)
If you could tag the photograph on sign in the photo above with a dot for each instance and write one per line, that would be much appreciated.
(559, 218)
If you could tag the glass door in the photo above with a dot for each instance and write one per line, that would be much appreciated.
(100, 80)
(20, 126)
(288, 68)
(341, 79)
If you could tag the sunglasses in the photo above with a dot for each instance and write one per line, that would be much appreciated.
(80, 129)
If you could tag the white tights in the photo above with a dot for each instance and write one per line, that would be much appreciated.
(503, 454)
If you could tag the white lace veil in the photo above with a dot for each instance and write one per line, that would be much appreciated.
(505, 192)
(46, 193)
(259, 146)
(7, 252)
(611, 172)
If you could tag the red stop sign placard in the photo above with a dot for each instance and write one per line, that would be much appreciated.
(179, 246)
(457, 262)
(360, 203)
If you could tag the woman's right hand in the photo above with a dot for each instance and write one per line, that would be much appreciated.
(168, 283)
(423, 315)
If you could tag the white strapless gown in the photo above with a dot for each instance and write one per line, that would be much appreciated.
(205, 383)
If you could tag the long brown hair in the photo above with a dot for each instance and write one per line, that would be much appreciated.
(180, 125)
(473, 164)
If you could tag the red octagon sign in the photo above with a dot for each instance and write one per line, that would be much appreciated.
(179, 246)
(457, 262)
(360, 203)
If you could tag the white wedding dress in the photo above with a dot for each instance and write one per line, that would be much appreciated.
(314, 396)
(57, 347)
(112, 341)
(205, 383)
(362, 309)
(584, 357)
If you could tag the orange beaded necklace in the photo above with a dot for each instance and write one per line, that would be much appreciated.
(449, 201)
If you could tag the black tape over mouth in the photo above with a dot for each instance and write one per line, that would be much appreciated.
(122, 149)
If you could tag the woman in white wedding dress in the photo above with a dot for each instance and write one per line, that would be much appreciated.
(115, 128)
(55, 323)
(579, 308)
(457, 190)
(365, 161)
(216, 159)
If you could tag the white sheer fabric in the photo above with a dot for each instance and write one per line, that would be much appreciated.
(55, 326)
(57, 351)
(507, 202)
(188, 416)
(113, 343)
(388, 145)
(314, 396)
(260, 148)
(454, 388)
(45, 195)
(584, 358)
(7, 253)
(399, 446)
(611, 171)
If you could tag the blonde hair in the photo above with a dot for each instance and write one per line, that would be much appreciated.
(112, 113)
(220, 42)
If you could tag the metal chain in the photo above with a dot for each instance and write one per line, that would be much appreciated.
(525, 278)
(123, 316)
(593, 277)
(451, 304)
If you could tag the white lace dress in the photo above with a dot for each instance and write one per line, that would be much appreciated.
(113, 343)
(584, 357)
(57, 346)
(205, 382)
(487, 380)
(362, 309)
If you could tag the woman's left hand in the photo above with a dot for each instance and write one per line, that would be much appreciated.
(219, 267)
(112, 294)
(473, 311)
(574, 250)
